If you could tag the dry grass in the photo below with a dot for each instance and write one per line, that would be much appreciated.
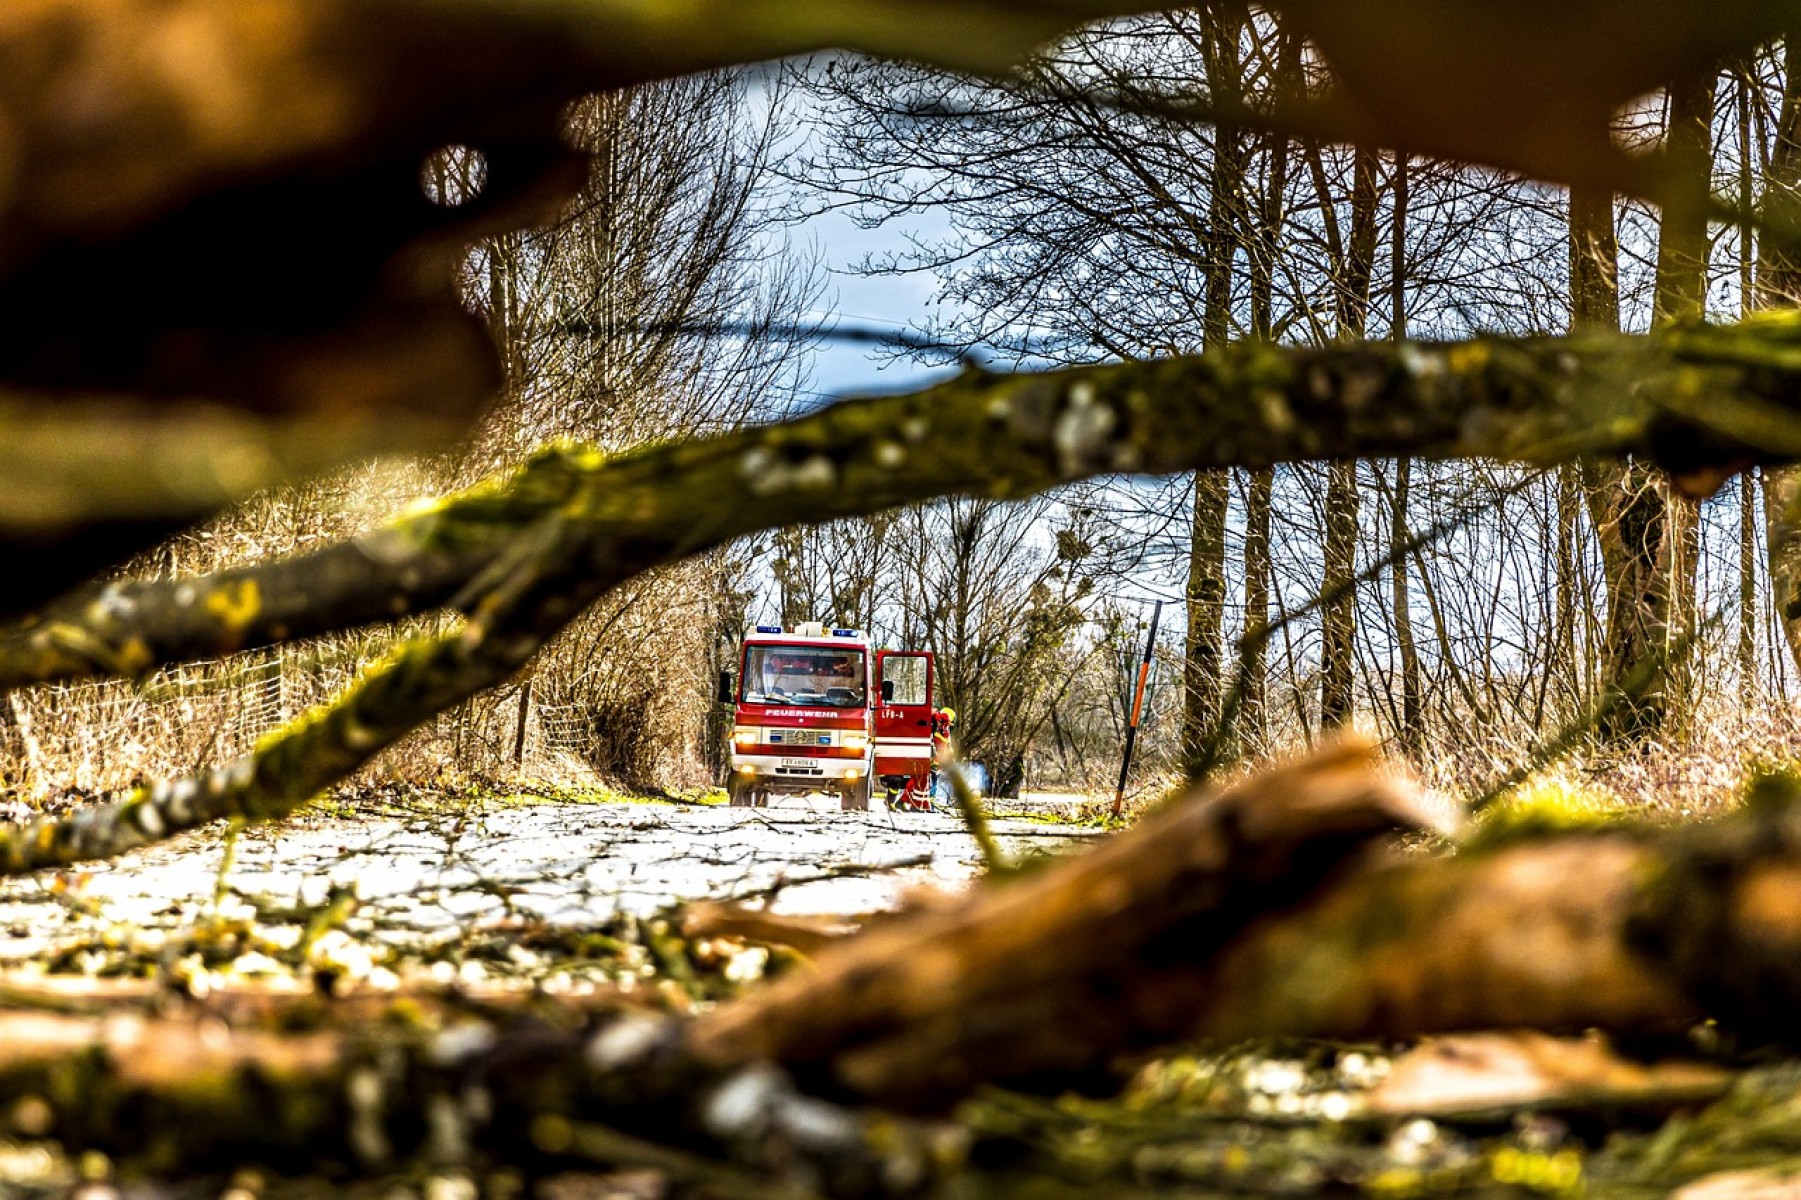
(623, 696)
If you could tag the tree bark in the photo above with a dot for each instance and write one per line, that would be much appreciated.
(1263, 247)
(1338, 616)
(1202, 673)
(1412, 726)
(1573, 654)
(1203, 676)
(1253, 650)
(1749, 534)
(1626, 504)
(1411, 733)
(1680, 295)
(1630, 515)
(1779, 286)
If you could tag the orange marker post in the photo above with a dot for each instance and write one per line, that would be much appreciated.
(1144, 675)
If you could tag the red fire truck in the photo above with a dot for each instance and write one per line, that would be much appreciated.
(820, 710)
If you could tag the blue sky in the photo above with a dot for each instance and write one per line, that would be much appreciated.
(853, 300)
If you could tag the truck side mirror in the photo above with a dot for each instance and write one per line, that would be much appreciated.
(887, 691)
(725, 687)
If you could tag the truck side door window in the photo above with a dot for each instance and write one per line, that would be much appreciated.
(904, 680)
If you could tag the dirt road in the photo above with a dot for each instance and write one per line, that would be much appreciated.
(430, 875)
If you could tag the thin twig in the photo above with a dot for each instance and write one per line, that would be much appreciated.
(975, 820)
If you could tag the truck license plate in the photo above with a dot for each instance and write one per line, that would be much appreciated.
(798, 764)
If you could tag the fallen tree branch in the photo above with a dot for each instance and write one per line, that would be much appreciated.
(805, 934)
(1619, 928)
(1257, 911)
(1180, 883)
(415, 563)
(1704, 401)
(521, 600)
(919, 1009)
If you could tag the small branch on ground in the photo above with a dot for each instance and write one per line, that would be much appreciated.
(806, 934)
(770, 891)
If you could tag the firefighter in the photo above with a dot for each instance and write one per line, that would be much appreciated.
(919, 794)
(939, 789)
(942, 720)
(843, 678)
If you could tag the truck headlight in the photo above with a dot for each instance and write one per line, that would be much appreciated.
(855, 740)
(744, 735)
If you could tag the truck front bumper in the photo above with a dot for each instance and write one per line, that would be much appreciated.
(778, 773)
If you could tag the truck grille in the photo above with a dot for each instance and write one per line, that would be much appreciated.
(799, 737)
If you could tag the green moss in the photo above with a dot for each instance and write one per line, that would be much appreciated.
(1076, 816)
(1772, 788)
(1544, 805)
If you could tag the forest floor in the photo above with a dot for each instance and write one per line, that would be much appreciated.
(416, 876)
(407, 891)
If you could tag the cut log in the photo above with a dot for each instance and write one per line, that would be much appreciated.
(1056, 973)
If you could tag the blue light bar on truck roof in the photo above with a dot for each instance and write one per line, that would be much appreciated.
(769, 629)
(844, 633)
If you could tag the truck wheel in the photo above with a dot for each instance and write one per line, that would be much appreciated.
(855, 796)
(740, 794)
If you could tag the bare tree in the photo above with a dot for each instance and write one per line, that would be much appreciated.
(1001, 608)
(1779, 285)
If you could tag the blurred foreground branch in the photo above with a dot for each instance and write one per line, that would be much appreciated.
(1270, 909)
(210, 206)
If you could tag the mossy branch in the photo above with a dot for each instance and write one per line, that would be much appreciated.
(418, 562)
(523, 558)
(523, 597)
(1704, 401)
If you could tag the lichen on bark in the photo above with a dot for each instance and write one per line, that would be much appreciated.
(1702, 400)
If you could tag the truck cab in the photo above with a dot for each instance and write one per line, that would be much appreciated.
(821, 710)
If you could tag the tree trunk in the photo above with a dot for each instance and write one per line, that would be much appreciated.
(1747, 481)
(1680, 295)
(16, 750)
(1625, 502)
(1206, 596)
(1202, 675)
(1572, 653)
(1338, 615)
(1338, 619)
(1747, 588)
(1253, 715)
(1412, 730)
(1630, 513)
(1779, 286)
(1263, 245)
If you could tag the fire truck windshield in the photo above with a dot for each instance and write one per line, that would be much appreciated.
(815, 676)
